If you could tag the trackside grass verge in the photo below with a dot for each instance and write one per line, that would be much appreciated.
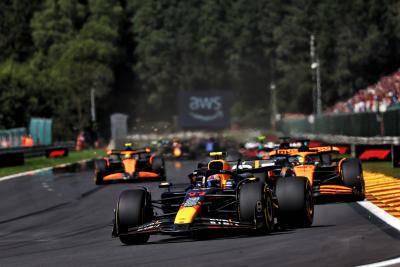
(383, 167)
(43, 162)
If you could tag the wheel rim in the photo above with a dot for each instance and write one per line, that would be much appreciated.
(309, 209)
(268, 211)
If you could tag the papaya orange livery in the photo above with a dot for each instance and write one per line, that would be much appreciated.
(327, 174)
(129, 165)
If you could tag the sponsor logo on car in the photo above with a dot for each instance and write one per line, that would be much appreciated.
(224, 222)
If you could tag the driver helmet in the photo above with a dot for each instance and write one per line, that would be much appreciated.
(214, 181)
(297, 160)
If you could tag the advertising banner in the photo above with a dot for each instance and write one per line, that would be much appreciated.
(204, 109)
(373, 152)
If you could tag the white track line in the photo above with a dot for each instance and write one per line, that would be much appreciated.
(387, 218)
(33, 172)
(381, 214)
(27, 173)
(383, 263)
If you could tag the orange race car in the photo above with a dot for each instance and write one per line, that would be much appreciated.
(328, 175)
(129, 165)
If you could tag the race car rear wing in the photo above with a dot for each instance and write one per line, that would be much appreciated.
(320, 149)
(252, 164)
(284, 151)
(128, 151)
(325, 149)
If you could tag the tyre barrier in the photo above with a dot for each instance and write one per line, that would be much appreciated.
(12, 159)
(39, 150)
(16, 156)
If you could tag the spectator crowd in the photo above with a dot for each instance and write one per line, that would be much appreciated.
(375, 98)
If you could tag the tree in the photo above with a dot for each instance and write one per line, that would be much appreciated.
(75, 53)
(15, 33)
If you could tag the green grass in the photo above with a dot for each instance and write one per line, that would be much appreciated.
(382, 167)
(43, 162)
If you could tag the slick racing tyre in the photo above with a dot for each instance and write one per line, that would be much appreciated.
(295, 201)
(157, 166)
(352, 176)
(100, 171)
(134, 209)
(255, 205)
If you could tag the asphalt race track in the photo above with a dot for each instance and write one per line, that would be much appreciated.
(61, 218)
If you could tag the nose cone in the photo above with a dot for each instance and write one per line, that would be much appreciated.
(186, 215)
(130, 166)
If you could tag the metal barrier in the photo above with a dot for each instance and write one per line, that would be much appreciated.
(37, 151)
(366, 124)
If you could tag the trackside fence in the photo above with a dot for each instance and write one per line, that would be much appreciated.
(366, 124)
(12, 137)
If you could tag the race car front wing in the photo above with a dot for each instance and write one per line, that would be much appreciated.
(139, 176)
(167, 226)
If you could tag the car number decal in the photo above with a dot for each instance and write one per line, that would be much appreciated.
(191, 201)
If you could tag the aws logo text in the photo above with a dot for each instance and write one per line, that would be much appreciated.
(209, 103)
(197, 104)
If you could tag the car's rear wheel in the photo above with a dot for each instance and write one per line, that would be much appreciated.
(134, 209)
(255, 205)
(100, 171)
(352, 176)
(295, 201)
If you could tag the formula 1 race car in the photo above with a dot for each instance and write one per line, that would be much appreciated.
(253, 150)
(256, 150)
(329, 176)
(129, 165)
(220, 197)
(175, 149)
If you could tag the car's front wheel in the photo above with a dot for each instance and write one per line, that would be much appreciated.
(295, 201)
(133, 209)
